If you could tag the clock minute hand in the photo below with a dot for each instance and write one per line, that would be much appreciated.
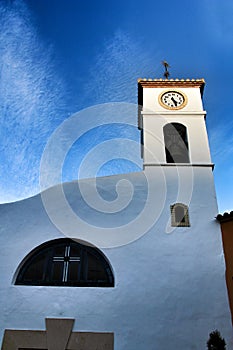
(175, 102)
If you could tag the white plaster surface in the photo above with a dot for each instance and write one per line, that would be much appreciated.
(154, 151)
(151, 95)
(169, 287)
(154, 117)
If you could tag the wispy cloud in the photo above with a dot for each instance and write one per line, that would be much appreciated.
(33, 97)
(221, 142)
(30, 100)
(117, 66)
(221, 145)
(113, 78)
(218, 20)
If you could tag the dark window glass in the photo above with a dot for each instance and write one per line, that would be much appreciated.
(73, 272)
(176, 143)
(57, 271)
(59, 250)
(179, 214)
(66, 263)
(36, 268)
(96, 272)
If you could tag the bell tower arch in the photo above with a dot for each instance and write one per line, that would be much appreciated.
(172, 122)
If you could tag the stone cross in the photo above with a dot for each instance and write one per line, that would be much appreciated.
(57, 336)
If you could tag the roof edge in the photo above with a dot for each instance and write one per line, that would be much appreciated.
(167, 83)
(225, 217)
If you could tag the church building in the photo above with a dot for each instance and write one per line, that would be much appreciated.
(148, 275)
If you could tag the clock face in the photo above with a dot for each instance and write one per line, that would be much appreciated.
(172, 100)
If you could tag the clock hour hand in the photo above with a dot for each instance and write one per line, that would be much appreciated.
(175, 102)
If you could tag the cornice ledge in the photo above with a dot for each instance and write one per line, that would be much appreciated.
(171, 82)
(172, 113)
(208, 165)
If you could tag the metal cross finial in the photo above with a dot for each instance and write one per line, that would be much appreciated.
(166, 66)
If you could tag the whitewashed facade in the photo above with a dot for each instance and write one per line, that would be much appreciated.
(169, 289)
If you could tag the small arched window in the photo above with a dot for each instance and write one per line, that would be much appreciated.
(179, 215)
(64, 262)
(176, 143)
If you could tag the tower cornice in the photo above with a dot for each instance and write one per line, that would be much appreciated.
(186, 113)
(167, 83)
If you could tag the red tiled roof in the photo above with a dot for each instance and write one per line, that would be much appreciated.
(225, 217)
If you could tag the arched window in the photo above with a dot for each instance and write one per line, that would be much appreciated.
(179, 215)
(64, 262)
(176, 143)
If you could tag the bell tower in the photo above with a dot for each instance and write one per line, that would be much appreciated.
(172, 122)
(177, 162)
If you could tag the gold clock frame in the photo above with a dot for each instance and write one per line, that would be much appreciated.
(173, 108)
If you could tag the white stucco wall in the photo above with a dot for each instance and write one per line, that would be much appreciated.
(154, 150)
(151, 95)
(170, 288)
(154, 117)
(170, 284)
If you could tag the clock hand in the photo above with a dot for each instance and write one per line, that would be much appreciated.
(175, 102)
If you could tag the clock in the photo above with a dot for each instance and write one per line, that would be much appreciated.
(172, 99)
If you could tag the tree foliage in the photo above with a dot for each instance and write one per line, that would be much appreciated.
(216, 342)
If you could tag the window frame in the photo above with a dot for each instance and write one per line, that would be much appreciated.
(183, 140)
(48, 248)
(185, 222)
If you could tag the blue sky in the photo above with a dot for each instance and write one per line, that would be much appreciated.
(58, 57)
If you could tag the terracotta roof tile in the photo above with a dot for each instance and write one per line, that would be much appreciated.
(171, 83)
(225, 217)
(170, 80)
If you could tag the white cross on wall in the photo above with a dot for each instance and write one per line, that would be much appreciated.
(67, 259)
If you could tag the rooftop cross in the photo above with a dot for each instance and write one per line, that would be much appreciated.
(166, 66)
